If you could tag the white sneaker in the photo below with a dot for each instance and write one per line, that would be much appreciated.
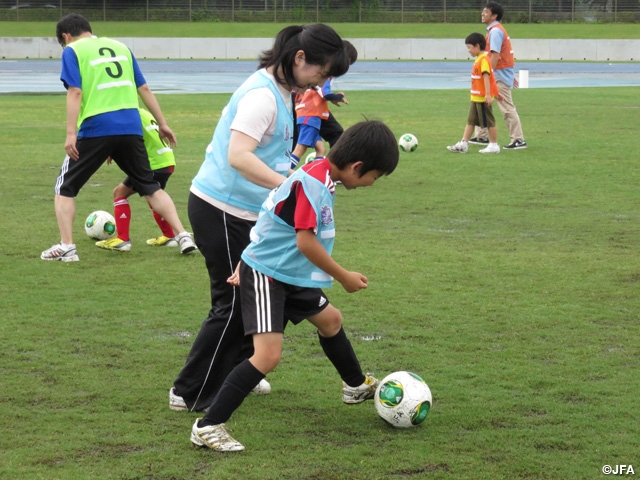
(214, 437)
(176, 402)
(61, 254)
(367, 390)
(492, 148)
(186, 242)
(263, 388)
(460, 147)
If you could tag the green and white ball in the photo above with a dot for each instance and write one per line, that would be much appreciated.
(100, 225)
(408, 142)
(403, 399)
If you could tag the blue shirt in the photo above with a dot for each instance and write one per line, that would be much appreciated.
(118, 122)
(496, 37)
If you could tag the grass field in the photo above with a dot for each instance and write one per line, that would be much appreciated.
(509, 282)
(348, 30)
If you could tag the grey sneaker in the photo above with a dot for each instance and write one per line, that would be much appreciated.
(479, 141)
(263, 388)
(186, 242)
(214, 437)
(366, 391)
(516, 145)
(61, 254)
(460, 147)
(176, 402)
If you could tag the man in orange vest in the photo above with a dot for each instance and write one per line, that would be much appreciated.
(502, 62)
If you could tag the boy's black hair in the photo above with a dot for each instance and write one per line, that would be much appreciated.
(370, 142)
(496, 9)
(74, 24)
(476, 39)
(321, 46)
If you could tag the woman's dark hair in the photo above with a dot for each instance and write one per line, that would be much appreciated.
(73, 24)
(321, 46)
(370, 142)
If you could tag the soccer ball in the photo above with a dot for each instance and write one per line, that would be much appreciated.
(100, 225)
(310, 158)
(403, 399)
(408, 142)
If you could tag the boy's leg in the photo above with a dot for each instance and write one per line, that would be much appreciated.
(122, 210)
(122, 216)
(131, 156)
(334, 342)
(210, 431)
(331, 130)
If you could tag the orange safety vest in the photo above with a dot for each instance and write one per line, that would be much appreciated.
(312, 104)
(477, 81)
(506, 59)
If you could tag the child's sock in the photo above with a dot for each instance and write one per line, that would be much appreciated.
(234, 390)
(167, 231)
(122, 214)
(339, 350)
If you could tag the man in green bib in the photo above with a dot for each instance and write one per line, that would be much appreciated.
(103, 83)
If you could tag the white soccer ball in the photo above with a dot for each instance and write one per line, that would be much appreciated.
(311, 157)
(100, 225)
(408, 142)
(403, 399)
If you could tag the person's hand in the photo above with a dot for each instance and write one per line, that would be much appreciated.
(70, 146)
(354, 281)
(167, 135)
(489, 100)
(342, 100)
(235, 278)
(516, 83)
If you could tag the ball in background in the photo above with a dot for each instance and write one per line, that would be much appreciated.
(403, 399)
(100, 225)
(311, 157)
(408, 142)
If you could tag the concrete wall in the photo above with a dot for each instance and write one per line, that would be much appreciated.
(368, 48)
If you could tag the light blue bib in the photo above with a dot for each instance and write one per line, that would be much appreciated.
(273, 250)
(217, 179)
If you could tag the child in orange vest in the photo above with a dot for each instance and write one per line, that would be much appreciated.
(483, 89)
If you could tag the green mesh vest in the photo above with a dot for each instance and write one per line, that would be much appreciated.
(108, 82)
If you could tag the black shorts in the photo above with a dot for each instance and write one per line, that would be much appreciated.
(161, 176)
(127, 151)
(268, 304)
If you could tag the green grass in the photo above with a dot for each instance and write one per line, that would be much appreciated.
(348, 30)
(509, 282)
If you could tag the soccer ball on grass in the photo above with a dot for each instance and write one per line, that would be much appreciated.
(403, 399)
(100, 225)
(408, 142)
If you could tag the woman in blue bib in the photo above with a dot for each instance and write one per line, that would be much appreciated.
(248, 156)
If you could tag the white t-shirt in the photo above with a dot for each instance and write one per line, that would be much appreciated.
(257, 112)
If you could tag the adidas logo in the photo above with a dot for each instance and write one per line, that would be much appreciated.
(322, 301)
(124, 215)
